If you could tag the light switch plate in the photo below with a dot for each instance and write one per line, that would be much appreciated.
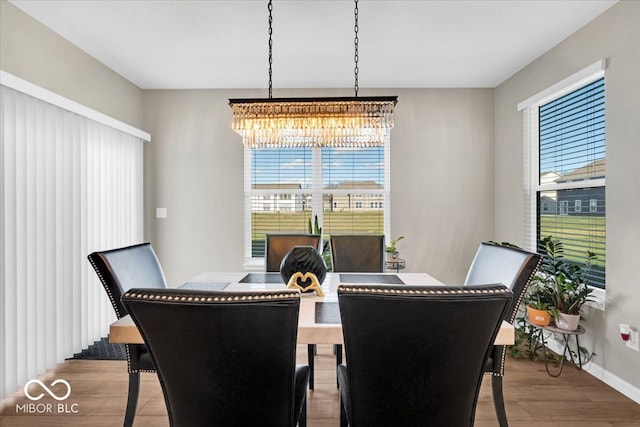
(161, 213)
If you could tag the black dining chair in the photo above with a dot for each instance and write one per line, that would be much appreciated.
(119, 270)
(357, 253)
(354, 253)
(224, 358)
(278, 245)
(515, 268)
(416, 354)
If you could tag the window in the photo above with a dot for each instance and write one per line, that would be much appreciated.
(566, 137)
(564, 207)
(345, 188)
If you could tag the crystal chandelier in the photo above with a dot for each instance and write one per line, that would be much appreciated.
(354, 122)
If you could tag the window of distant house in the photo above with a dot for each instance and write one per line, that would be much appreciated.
(567, 169)
(314, 181)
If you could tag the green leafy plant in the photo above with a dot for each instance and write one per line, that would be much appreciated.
(315, 227)
(558, 286)
(391, 247)
(539, 297)
(565, 281)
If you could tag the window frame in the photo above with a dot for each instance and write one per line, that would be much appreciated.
(533, 184)
(316, 191)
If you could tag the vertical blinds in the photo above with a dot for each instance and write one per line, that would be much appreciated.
(572, 164)
(345, 188)
(69, 186)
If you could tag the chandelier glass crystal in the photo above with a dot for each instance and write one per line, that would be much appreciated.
(349, 122)
(313, 122)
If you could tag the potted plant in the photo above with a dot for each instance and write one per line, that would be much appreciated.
(538, 303)
(325, 252)
(391, 250)
(566, 281)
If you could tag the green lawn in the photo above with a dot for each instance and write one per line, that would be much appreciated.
(574, 231)
(361, 222)
(334, 223)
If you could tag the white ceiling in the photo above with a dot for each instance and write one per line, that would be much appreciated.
(179, 44)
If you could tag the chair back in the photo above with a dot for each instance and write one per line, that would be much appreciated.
(512, 267)
(223, 358)
(121, 269)
(357, 253)
(278, 245)
(415, 354)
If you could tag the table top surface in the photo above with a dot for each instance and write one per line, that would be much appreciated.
(313, 326)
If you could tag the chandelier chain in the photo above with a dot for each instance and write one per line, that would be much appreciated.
(349, 122)
(355, 40)
(270, 8)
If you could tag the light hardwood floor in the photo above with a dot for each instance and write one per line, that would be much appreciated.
(533, 398)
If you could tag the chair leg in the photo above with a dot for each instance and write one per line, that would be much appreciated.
(338, 351)
(132, 399)
(302, 421)
(498, 400)
(343, 415)
(311, 350)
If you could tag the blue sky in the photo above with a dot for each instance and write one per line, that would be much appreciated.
(572, 129)
(294, 165)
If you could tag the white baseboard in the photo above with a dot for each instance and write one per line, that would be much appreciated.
(613, 381)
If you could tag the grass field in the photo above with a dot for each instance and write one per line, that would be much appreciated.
(363, 222)
(577, 234)
(573, 231)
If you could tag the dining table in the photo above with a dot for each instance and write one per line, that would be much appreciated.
(319, 319)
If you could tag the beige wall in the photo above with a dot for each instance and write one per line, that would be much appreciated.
(441, 178)
(614, 35)
(33, 52)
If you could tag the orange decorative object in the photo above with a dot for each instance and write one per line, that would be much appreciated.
(538, 317)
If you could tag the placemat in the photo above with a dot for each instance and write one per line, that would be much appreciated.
(387, 279)
(262, 278)
(205, 286)
(327, 312)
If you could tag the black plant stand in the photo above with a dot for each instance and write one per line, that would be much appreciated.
(397, 265)
(540, 338)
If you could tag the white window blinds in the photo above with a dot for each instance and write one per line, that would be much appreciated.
(345, 188)
(571, 172)
(565, 141)
(70, 186)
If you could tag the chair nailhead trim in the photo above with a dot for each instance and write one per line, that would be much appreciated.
(229, 298)
(426, 291)
(106, 287)
(503, 355)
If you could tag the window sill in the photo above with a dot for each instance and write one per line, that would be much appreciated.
(253, 264)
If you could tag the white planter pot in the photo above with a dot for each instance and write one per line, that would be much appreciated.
(568, 322)
(392, 256)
